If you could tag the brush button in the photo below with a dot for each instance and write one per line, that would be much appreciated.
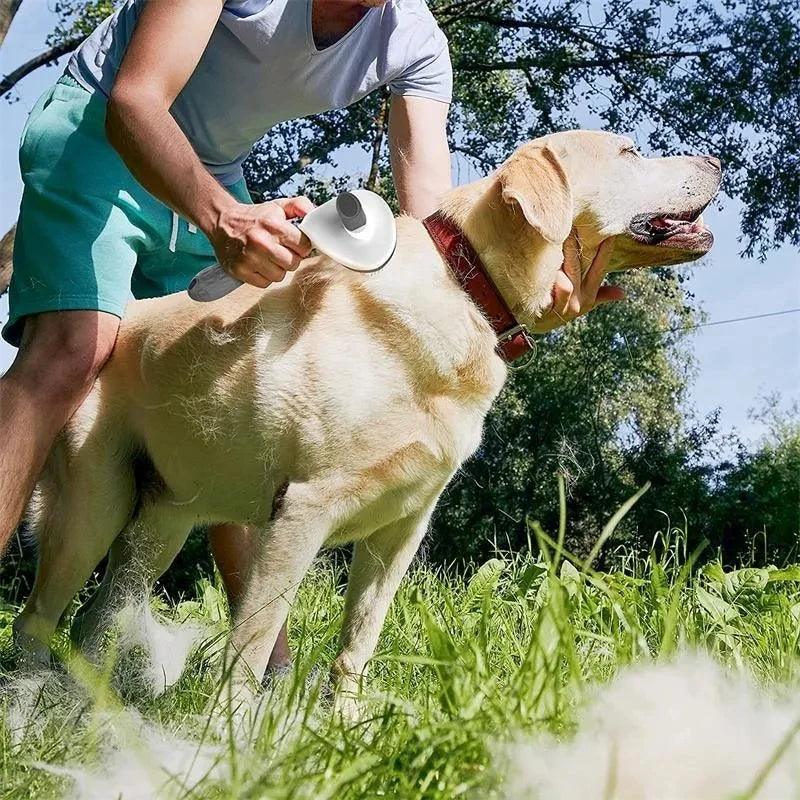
(350, 211)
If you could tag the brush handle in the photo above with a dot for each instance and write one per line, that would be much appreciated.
(211, 284)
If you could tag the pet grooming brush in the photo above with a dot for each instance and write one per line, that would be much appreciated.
(357, 229)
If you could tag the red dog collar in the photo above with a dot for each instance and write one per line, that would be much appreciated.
(467, 267)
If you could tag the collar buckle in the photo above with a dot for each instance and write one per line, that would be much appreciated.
(512, 332)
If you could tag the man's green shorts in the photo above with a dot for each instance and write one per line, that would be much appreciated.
(88, 234)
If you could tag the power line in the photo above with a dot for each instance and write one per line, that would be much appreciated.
(732, 319)
(656, 335)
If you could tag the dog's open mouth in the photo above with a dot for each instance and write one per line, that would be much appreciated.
(679, 230)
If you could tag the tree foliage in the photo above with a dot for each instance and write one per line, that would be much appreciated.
(716, 77)
(758, 499)
(600, 401)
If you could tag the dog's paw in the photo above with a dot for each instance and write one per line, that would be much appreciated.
(276, 675)
(30, 654)
(350, 707)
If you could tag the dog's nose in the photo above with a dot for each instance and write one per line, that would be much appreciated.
(713, 162)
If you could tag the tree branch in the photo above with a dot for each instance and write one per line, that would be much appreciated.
(445, 15)
(570, 31)
(50, 55)
(377, 141)
(271, 185)
(588, 63)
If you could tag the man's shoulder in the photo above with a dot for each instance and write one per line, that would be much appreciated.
(414, 33)
(416, 18)
(418, 52)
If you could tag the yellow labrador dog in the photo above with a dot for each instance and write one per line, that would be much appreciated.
(334, 407)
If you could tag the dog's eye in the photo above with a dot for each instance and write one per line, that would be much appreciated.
(630, 150)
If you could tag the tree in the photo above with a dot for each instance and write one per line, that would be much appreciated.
(77, 19)
(757, 503)
(8, 9)
(601, 405)
(695, 76)
(685, 75)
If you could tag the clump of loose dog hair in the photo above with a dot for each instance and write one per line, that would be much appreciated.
(33, 701)
(144, 762)
(164, 646)
(134, 759)
(688, 730)
(123, 754)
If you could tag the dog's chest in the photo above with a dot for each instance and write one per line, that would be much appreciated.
(381, 442)
(400, 477)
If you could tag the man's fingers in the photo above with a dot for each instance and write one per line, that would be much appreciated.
(292, 238)
(294, 207)
(572, 261)
(271, 261)
(599, 268)
(251, 277)
(256, 279)
(609, 294)
(563, 292)
(281, 257)
(267, 248)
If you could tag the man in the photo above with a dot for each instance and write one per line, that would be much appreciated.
(132, 172)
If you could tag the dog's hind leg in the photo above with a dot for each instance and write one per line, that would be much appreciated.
(86, 499)
(138, 557)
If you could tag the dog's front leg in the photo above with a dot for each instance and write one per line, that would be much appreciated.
(379, 564)
(282, 555)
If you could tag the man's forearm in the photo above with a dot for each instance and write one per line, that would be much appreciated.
(422, 178)
(420, 192)
(161, 158)
(420, 154)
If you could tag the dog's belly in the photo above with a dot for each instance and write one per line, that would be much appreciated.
(209, 469)
(217, 457)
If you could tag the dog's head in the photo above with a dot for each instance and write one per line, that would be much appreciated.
(591, 185)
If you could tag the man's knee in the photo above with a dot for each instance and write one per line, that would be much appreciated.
(61, 354)
(78, 360)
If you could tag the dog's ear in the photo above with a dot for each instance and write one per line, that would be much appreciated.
(534, 180)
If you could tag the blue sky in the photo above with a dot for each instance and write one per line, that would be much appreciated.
(737, 363)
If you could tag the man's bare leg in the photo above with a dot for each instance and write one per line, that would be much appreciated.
(57, 363)
(232, 547)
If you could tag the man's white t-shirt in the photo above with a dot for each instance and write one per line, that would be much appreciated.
(262, 67)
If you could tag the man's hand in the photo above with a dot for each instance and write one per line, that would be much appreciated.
(257, 244)
(575, 295)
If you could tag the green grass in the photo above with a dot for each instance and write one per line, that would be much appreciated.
(464, 663)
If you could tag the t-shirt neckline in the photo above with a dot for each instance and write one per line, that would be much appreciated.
(310, 30)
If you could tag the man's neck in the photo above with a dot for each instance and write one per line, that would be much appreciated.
(333, 19)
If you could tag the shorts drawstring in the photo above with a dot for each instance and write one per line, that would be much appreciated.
(173, 239)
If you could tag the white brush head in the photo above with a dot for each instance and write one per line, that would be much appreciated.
(357, 229)
(370, 243)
